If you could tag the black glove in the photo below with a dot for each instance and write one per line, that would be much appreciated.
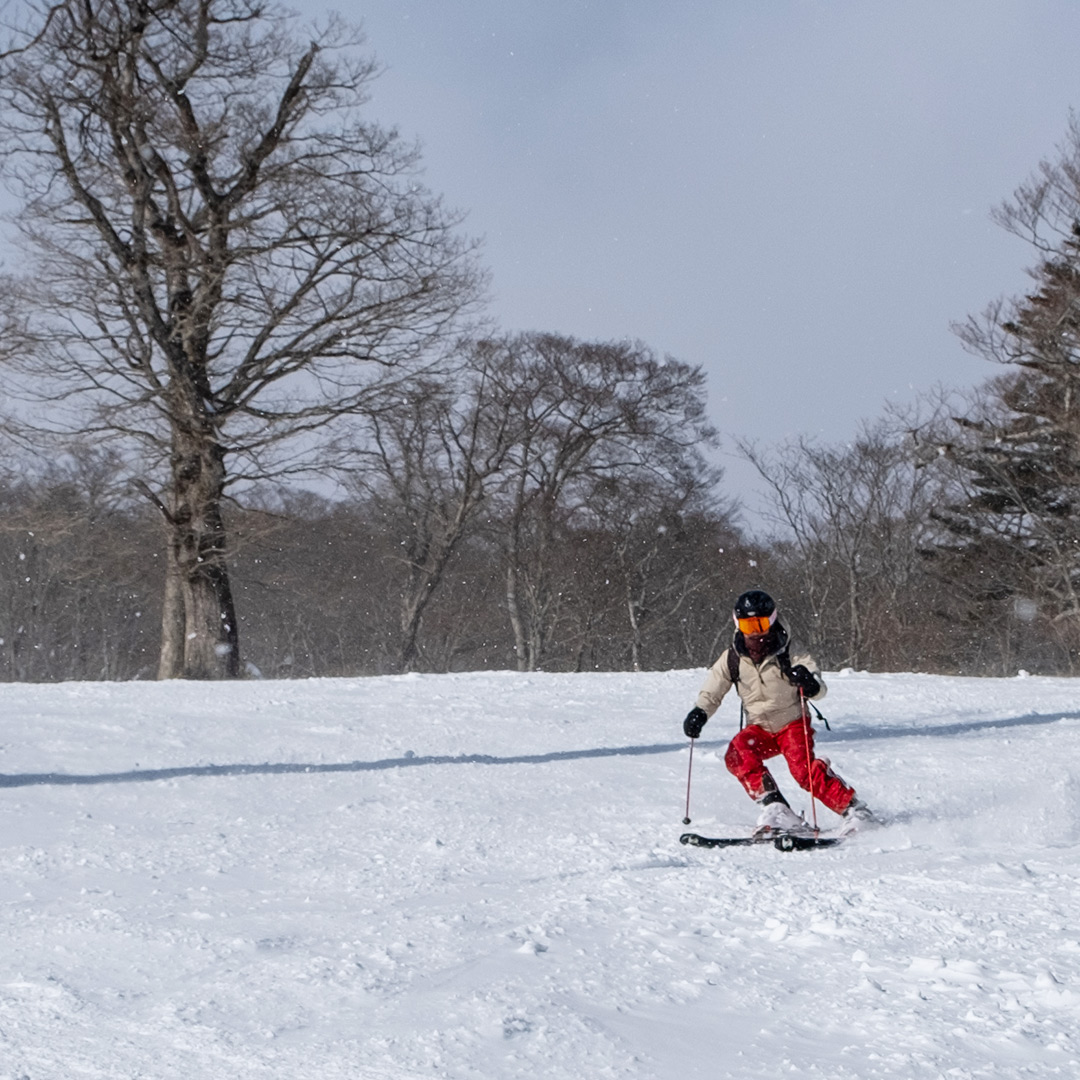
(802, 677)
(694, 722)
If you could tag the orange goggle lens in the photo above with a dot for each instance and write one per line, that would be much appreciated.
(755, 625)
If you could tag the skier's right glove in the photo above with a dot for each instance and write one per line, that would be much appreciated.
(694, 722)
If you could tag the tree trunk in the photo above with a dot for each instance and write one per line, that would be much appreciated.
(517, 623)
(412, 615)
(171, 661)
(197, 563)
(633, 609)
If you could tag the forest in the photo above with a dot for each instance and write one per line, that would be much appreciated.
(257, 422)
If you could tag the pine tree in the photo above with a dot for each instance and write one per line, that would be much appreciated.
(1013, 527)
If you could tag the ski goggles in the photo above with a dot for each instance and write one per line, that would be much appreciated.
(756, 624)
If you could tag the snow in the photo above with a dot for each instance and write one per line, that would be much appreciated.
(479, 876)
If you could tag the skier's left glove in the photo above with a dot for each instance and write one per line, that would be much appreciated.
(802, 677)
(694, 722)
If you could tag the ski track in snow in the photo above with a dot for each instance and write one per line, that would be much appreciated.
(479, 876)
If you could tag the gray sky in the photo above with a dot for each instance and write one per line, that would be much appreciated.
(794, 194)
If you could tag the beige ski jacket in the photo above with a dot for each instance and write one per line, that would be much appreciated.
(769, 699)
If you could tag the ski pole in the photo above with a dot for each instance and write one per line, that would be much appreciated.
(689, 770)
(809, 762)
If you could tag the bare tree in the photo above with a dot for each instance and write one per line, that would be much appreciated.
(76, 560)
(655, 554)
(310, 573)
(226, 260)
(580, 412)
(432, 459)
(854, 517)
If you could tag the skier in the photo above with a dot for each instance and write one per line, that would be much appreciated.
(774, 692)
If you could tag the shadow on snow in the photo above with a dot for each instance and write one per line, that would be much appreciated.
(270, 769)
(840, 734)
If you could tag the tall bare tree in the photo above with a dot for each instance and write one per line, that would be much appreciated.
(226, 259)
(581, 412)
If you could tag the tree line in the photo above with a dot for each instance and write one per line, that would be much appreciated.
(873, 554)
(543, 503)
(256, 424)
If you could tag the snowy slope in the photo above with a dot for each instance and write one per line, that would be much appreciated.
(479, 876)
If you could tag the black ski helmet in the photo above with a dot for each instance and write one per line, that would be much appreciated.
(756, 603)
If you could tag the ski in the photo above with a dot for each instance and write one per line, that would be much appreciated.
(783, 842)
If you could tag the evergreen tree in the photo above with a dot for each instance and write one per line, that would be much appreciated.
(1013, 525)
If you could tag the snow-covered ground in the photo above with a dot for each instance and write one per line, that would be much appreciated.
(479, 876)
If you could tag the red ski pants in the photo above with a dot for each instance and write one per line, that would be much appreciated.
(754, 745)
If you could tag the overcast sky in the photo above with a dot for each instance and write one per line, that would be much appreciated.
(794, 194)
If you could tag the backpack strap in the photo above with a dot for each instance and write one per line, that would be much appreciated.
(733, 665)
(733, 674)
(783, 658)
